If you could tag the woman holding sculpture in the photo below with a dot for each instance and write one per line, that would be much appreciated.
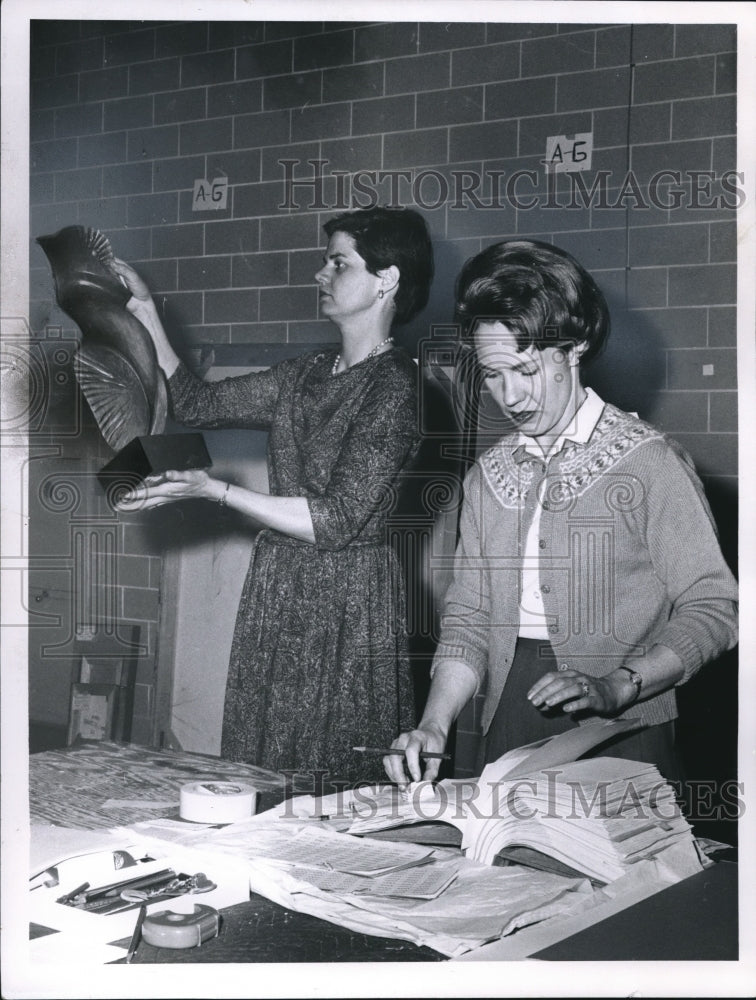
(319, 659)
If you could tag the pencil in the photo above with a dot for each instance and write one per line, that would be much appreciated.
(304, 819)
(136, 936)
(71, 896)
(396, 752)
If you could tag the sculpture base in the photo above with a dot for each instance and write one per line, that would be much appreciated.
(151, 455)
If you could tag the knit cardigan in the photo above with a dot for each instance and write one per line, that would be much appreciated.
(629, 559)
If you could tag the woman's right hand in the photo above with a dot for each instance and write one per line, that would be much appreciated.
(142, 306)
(133, 282)
(413, 743)
(141, 303)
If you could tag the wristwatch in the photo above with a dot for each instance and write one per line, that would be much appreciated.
(637, 680)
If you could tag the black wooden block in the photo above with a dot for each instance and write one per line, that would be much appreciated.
(150, 455)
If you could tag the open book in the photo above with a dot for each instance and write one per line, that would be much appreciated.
(597, 816)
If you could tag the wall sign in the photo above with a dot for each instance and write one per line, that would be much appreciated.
(210, 195)
(566, 153)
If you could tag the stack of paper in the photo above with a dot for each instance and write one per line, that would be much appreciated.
(598, 816)
(479, 905)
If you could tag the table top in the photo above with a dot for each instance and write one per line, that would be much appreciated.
(263, 931)
(81, 787)
(699, 914)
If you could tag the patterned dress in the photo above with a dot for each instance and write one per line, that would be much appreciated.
(319, 660)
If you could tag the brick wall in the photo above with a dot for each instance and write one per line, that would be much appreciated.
(126, 116)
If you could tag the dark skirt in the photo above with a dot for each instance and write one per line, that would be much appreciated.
(517, 722)
(319, 660)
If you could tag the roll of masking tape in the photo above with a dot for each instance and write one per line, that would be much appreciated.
(217, 801)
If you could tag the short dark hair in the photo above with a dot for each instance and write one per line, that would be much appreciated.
(538, 291)
(398, 236)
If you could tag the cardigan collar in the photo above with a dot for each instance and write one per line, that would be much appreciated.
(579, 430)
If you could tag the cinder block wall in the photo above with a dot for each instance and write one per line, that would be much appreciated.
(127, 115)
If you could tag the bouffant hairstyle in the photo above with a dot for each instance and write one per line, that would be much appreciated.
(398, 236)
(541, 293)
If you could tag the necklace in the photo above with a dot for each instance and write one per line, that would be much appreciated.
(388, 340)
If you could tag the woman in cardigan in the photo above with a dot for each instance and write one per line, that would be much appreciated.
(588, 576)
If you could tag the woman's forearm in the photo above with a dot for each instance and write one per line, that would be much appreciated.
(453, 685)
(147, 314)
(289, 515)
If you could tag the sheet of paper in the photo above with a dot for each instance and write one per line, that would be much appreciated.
(422, 802)
(560, 749)
(312, 846)
(166, 832)
(67, 951)
(424, 882)
(50, 845)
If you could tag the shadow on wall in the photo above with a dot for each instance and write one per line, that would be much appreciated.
(631, 372)
(431, 494)
(707, 739)
(707, 730)
(632, 375)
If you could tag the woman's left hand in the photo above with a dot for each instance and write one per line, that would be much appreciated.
(576, 692)
(155, 491)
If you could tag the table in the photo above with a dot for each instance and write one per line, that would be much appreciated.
(695, 918)
(69, 787)
(702, 910)
(263, 931)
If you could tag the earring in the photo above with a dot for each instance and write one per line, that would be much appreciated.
(380, 293)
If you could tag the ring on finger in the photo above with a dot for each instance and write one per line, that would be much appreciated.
(584, 686)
